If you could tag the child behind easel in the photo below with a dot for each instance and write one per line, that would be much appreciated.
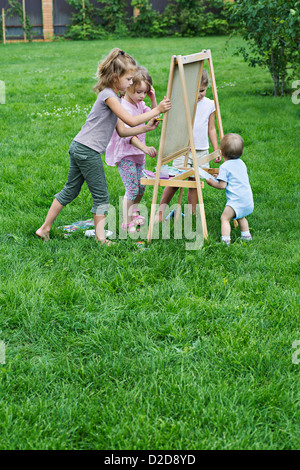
(204, 129)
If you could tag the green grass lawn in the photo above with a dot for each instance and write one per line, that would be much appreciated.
(167, 348)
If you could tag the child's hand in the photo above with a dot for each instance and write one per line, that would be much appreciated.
(151, 93)
(151, 151)
(151, 125)
(209, 181)
(218, 159)
(164, 105)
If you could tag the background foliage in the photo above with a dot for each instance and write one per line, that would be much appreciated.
(186, 18)
(15, 8)
(272, 31)
(270, 27)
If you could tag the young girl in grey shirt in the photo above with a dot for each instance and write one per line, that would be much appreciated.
(115, 75)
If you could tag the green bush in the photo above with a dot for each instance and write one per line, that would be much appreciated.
(187, 18)
(147, 23)
(215, 26)
(194, 18)
(84, 22)
(114, 17)
(215, 18)
(87, 31)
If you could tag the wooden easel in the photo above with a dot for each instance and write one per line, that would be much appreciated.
(177, 130)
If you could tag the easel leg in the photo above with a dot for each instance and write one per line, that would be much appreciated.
(153, 208)
(203, 220)
(178, 211)
(201, 204)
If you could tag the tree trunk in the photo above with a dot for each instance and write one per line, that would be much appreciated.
(275, 76)
(282, 86)
(283, 73)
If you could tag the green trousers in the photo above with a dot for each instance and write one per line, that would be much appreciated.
(85, 165)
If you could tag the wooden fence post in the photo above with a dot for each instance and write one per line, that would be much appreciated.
(3, 26)
(83, 17)
(24, 20)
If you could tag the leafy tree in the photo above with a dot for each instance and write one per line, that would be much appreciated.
(271, 28)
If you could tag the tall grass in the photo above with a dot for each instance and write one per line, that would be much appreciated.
(115, 348)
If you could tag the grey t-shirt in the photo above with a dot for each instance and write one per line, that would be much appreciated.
(100, 123)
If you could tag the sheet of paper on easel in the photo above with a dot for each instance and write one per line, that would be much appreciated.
(204, 174)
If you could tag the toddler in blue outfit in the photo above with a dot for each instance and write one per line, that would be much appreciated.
(234, 179)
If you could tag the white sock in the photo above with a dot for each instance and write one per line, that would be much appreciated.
(226, 239)
(245, 234)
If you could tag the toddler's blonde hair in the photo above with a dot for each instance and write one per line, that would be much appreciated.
(232, 146)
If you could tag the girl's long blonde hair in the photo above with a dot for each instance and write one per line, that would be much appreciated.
(116, 64)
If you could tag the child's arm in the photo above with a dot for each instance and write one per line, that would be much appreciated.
(124, 131)
(218, 185)
(212, 134)
(151, 151)
(133, 121)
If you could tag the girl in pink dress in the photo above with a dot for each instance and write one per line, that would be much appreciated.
(128, 154)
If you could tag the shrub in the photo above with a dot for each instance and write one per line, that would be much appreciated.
(114, 17)
(215, 17)
(84, 22)
(185, 17)
(180, 18)
(146, 24)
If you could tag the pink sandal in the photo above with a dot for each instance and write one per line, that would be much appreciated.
(130, 228)
(137, 218)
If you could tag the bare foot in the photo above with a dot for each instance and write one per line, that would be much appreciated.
(44, 235)
(105, 242)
